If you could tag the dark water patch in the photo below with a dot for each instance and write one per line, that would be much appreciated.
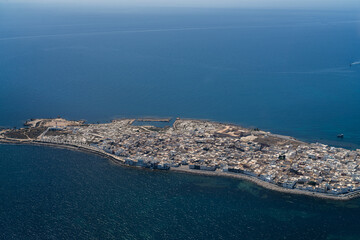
(55, 194)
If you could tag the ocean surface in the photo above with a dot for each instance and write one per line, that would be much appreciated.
(283, 71)
(279, 70)
(49, 193)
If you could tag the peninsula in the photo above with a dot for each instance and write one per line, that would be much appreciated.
(273, 161)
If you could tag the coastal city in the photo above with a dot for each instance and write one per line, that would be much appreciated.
(205, 146)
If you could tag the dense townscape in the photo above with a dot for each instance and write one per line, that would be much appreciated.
(207, 146)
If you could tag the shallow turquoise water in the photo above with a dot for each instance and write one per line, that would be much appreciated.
(49, 193)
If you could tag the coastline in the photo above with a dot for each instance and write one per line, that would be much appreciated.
(184, 169)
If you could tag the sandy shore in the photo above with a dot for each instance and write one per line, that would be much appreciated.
(184, 169)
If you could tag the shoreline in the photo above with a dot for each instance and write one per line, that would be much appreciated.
(184, 169)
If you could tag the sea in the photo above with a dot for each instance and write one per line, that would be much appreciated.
(289, 72)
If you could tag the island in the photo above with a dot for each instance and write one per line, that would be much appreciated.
(273, 161)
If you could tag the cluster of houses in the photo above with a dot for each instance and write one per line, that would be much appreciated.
(211, 146)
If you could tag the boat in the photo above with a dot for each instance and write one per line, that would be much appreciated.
(340, 135)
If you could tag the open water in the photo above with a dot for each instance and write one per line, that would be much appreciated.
(283, 71)
(49, 193)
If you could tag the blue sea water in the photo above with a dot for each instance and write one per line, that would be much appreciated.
(279, 70)
(51, 193)
(283, 71)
